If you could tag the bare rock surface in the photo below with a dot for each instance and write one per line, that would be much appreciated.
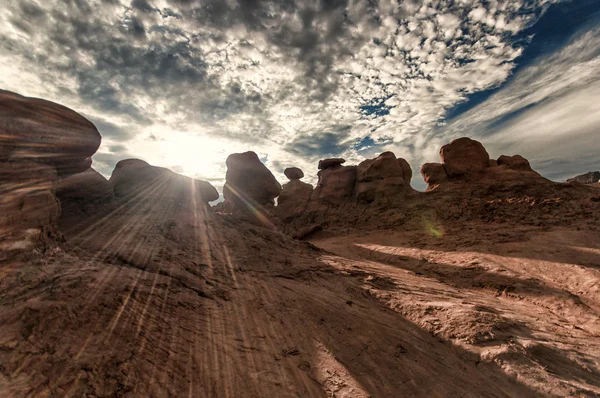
(515, 162)
(249, 182)
(587, 178)
(434, 174)
(294, 198)
(464, 156)
(293, 173)
(330, 163)
(335, 185)
(382, 177)
(136, 178)
(86, 186)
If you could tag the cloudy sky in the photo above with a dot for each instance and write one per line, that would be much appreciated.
(184, 83)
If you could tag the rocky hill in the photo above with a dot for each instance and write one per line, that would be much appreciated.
(488, 284)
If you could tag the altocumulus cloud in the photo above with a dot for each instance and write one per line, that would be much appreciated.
(183, 83)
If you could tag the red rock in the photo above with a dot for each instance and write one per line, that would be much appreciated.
(380, 177)
(293, 173)
(134, 178)
(306, 232)
(516, 162)
(493, 163)
(293, 198)
(406, 170)
(330, 163)
(464, 156)
(40, 130)
(336, 185)
(249, 182)
(434, 174)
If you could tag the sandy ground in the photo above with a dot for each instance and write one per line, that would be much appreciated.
(147, 300)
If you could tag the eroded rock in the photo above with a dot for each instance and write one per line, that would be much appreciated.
(516, 162)
(587, 178)
(330, 163)
(336, 185)
(293, 198)
(87, 186)
(293, 173)
(381, 177)
(434, 174)
(464, 156)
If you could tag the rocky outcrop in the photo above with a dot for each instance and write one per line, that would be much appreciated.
(134, 178)
(293, 198)
(464, 156)
(40, 141)
(434, 174)
(330, 163)
(89, 186)
(335, 185)
(516, 162)
(587, 178)
(382, 177)
(38, 130)
(293, 173)
(249, 182)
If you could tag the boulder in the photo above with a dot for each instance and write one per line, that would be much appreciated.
(587, 178)
(380, 177)
(135, 179)
(434, 174)
(293, 198)
(37, 130)
(249, 182)
(293, 173)
(336, 185)
(516, 162)
(88, 186)
(406, 170)
(464, 156)
(330, 163)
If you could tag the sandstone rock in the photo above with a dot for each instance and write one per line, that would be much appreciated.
(587, 178)
(248, 181)
(336, 185)
(516, 162)
(464, 156)
(434, 174)
(87, 186)
(406, 170)
(293, 198)
(27, 201)
(493, 163)
(330, 163)
(224, 207)
(45, 132)
(134, 178)
(380, 177)
(293, 173)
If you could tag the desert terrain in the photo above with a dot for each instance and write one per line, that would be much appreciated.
(486, 285)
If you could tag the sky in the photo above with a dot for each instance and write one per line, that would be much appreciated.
(184, 83)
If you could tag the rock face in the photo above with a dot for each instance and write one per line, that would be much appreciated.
(516, 162)
(336, 185)
(293, 173)
(382, 177)
(35, 129)
(434, 174)
(134, 178)
(293, 198)
(330, 163)
(464, 156)
(39, 142)
(249, 182)
(587, 178)
(88, 186)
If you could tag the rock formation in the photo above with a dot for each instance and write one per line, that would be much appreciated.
(330, 163)
(516, 162)
(335, 185)
(248, 182)
(587, 178)
(39, 141)
(464, 156)
(88, 186)
(133, 178)
(434, 174)
(382, 177)
(294, 195)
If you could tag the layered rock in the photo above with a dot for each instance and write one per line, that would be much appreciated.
(330, 163)
(39, 141)
(38, 130)
(587, 178)
(134, 178)
(382, 177)
(249, 182)
(464, 156)
(294, 195)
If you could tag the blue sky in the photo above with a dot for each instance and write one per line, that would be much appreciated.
(183, 83)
